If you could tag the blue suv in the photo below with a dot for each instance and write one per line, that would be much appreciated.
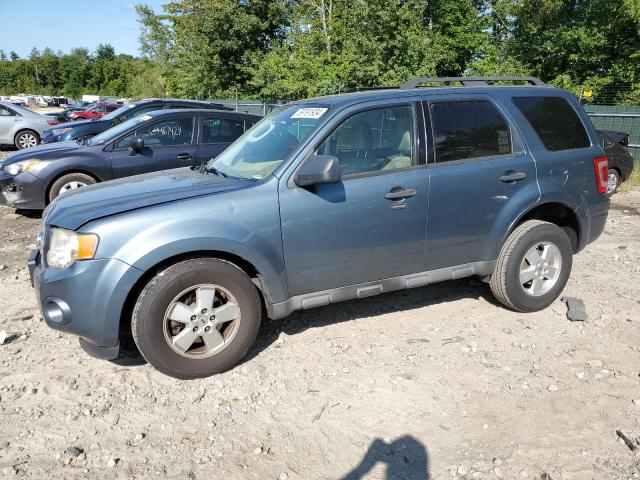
(325, 200)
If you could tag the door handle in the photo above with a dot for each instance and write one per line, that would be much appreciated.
(398, 192)
(185, 156)
(512, 176)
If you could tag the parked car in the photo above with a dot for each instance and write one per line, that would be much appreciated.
(96, 111)
(88, 128)
(22, 127)
(619, 158)
(328, 199)
(157, 140)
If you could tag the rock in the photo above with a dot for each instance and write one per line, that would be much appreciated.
(576, 310)
(553, 387)
(6, 471)
(580, 375)
(257, 451)
(139, 436)
(462, 470)
(4, 445)
(113, 462)
(74, 451)
(497, 462)
(3, 336)
(283, 476)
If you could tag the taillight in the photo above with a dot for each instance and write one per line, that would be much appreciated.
(601, 167)
(52, 122)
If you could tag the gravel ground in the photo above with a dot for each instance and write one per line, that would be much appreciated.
(438, 382)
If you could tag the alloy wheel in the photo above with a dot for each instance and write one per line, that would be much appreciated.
(540, 268)
(201, 321)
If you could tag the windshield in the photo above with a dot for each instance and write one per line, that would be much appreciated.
(118, 112)
(116, 131)
(260, 150)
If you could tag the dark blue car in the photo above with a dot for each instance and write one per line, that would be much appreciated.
(83, 129)
(324, 200)
(158, 140)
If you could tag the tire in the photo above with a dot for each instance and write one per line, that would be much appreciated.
(613, 182)
(155, 333)
(26, 139)
(514, 263)
(69, 182)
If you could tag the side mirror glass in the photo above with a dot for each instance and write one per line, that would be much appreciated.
(318, 169)
(136, 146)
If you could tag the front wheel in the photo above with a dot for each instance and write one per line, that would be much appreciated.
(533, 266)
(196, 318)
(69, 183)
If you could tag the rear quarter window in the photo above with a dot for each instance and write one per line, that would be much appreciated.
(555, 121)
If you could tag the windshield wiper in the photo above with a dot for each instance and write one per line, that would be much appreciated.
(214, 170)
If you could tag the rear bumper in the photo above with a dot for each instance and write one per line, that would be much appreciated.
(86, 300)
(598, 213)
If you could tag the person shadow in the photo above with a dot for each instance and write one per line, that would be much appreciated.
(405, 458)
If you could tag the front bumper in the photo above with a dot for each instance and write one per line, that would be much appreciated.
(86, 300)
(5, 181)
(24, 191)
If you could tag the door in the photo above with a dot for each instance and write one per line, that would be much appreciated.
(8, 122)
(216, 134)
(168, 143)
(372, 224)
(480, 165)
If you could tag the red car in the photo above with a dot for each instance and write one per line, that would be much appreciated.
(95, 111)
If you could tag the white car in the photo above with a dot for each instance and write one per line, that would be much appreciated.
(22, 127)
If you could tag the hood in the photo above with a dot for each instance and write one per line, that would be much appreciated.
(74, 209)
(42, 152)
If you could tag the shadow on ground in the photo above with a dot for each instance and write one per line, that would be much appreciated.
(405, 458)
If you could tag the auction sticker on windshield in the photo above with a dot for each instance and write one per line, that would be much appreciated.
(309, 113)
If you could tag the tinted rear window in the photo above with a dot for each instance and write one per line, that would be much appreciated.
(555, 121)
(469, 129)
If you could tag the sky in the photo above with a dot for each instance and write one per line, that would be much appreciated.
(66, 24)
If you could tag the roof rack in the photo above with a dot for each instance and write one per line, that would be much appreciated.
(468, 81)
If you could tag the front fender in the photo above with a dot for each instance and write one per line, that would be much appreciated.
(243, 223)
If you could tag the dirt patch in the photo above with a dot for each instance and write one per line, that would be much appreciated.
(438, 379)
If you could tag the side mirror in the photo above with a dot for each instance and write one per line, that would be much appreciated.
(136, 146)
(317, 170)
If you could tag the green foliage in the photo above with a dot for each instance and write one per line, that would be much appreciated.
(289, 49)
(80, 72)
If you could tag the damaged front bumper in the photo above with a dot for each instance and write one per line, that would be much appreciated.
(24, 191)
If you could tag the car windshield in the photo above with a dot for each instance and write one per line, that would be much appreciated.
(258, 152)
(116, 131)
(116, 113)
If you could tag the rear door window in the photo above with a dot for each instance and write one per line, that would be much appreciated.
(555, 121)
(221, 130)
(468, 129)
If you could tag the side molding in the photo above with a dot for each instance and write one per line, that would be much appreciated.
(369, 289)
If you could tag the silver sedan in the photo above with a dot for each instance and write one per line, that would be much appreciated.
(22, 127)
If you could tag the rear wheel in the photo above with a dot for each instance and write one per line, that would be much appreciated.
(26, 139)
(613, 182)
(196, 318)
(69, 183)
(533, 267)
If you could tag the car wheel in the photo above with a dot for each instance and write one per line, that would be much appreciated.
(533, 266)
(69, 183)
(196, 318)
(613, 182)
(26, 139)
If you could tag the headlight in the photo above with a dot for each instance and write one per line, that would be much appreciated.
(67, 246)
(19, 167)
